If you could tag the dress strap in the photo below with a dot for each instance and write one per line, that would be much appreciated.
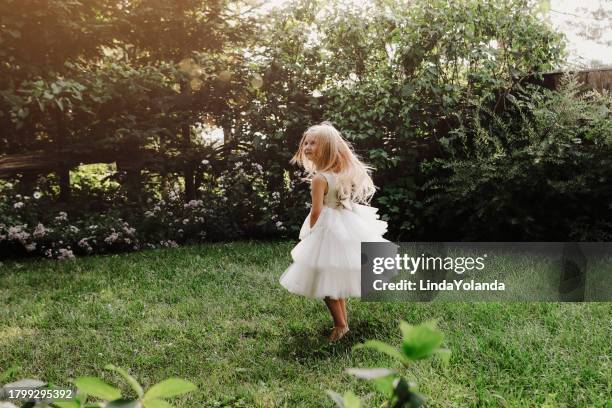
(329, 179)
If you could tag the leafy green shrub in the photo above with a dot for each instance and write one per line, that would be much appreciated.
(418, 342)
(418, 77)
(235, 202)
(540, 172)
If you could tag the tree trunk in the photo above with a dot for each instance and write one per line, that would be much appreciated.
(133, 184)
(27, 183)
(64, 184)
(63, 172)
(189, 168)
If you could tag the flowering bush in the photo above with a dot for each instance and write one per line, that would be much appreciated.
(234, 204)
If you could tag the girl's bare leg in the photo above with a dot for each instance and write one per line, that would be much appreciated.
(331, 309)
(335, 308)
(343, 303)
(340, 325)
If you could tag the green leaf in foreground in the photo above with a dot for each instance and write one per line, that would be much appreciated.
(406, 396)
(420, 341)
(131, 380)
(123, 403)
(349, 400)
(98, 388)
(337, 398)
(385, 385)
(156, 403)
(369, 373)
(383, 348)
(169, 388)
(66, 404)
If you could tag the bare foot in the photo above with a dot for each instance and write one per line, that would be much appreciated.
(332, 336)
(338, 333)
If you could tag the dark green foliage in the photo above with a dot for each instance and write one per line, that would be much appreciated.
(428, 93)
(541, 172)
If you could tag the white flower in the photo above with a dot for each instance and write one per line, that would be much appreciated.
(18, 233)
(128, 230)
(186, 221)
(62, 216)
(157, 208)
(18, 205)
(205, 161)
(170, 243)
(37, 194)
(31, 247)
(279, 224)
(148, 214)
(65, 254)
(73, 229)
(40, 231)
(111, 238)
(193, 204)
(85, 245)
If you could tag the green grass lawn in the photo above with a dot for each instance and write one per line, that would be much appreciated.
(217, 316)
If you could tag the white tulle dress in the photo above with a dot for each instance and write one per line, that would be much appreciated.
(327, 260)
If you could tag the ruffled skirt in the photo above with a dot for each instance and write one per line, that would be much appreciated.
(327, 260)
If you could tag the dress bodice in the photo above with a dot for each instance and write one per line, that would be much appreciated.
(331, 198)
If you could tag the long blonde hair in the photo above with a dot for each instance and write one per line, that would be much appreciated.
(336, 153)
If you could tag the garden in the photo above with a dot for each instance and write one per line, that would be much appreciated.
(148, 204)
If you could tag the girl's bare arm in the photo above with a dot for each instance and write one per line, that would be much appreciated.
(317, 191)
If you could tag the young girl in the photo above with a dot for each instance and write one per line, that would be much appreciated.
(327, 260)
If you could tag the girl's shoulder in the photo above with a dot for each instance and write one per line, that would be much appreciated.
(319, 177)
(328, 175)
